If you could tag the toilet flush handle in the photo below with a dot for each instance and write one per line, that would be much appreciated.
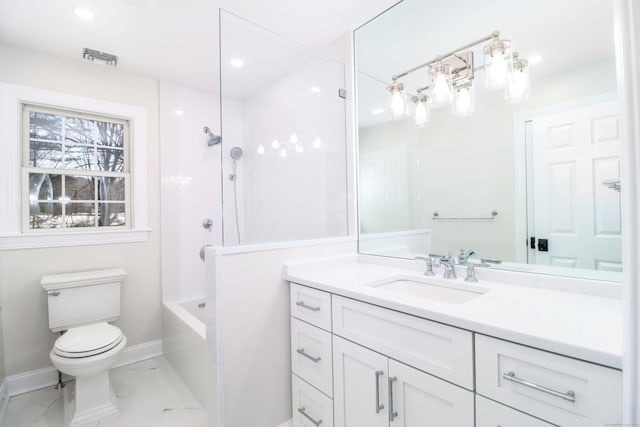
(53, 293)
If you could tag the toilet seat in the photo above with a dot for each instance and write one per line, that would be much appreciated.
(89, 340)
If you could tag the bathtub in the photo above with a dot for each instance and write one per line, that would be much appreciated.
(185, 344)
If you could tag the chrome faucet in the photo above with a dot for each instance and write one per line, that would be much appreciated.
(449, 264)
(430, 262)
(464, 256)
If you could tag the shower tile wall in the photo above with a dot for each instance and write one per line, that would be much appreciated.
(190, 189)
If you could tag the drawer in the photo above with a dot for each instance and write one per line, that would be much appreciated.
(311, 355)
(311, 305)
(311, 408)
(492, 414)
(558, 389)
(443, 351)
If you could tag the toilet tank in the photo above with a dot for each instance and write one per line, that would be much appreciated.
(76, 299)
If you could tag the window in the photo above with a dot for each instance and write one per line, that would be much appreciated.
(75, 170)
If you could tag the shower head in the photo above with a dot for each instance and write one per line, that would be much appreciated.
(236, 153)
(212, 139)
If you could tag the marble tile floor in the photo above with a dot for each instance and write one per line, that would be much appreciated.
(149, 393)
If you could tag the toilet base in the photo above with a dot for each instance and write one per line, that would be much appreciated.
(89, 400)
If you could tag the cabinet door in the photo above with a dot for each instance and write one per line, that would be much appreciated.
(360, 386)
(417, 399)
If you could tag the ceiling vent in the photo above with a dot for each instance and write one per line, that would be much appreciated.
(98, 57)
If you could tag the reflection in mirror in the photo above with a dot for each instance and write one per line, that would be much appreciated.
(522, 168)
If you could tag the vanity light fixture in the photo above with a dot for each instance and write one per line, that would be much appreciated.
(451, 79)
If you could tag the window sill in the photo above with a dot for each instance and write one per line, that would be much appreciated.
(56, 240)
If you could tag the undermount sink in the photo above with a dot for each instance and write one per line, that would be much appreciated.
(451, 294)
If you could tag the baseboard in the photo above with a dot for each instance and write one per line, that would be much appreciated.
(46, 377)
(4, 401)
(287, 424)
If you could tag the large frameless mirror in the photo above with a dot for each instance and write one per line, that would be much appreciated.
(492, 128)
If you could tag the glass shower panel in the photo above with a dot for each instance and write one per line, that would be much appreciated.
(283, 106)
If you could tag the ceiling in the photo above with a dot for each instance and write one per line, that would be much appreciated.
(173, 40)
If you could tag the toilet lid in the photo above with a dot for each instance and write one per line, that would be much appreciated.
(89, 340)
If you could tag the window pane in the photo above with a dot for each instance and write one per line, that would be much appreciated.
(111, 188)
(45, 154)
(80, 131)
(110, 134)
(79, 157)
(45, 215)
(80, 215)
(111, 214)
(79, 188)
(110, 159)
(45, 126)
(43, 186)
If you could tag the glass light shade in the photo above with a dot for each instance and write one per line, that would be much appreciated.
(518, 82)
(397, 103)
(441, 85)
(463, 100)
(497, 63)
(422, 111)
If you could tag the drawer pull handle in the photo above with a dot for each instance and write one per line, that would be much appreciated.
(379, 406)
(392, 412)
(308, 307)
(308, 356)
(511, 376)
(307, 416)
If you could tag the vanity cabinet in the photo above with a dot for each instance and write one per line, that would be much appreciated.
(374, 390)
(356, 364)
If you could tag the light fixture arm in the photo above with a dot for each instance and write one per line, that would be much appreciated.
(493, 36)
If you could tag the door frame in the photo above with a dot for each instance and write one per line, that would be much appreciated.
(521, 162)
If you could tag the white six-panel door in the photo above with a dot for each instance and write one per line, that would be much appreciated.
(573, 153)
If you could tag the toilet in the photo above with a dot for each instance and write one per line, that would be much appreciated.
(81, 305)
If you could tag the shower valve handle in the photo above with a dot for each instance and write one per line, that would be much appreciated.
(207, 224)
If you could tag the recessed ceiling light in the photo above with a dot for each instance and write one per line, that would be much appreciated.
(83, 13)
(315, 89)
(237, 62)
(534, 59)
(377, 111)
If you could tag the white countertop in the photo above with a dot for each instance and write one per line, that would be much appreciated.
(579, 325)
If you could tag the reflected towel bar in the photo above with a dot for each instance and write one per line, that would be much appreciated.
(437, 217)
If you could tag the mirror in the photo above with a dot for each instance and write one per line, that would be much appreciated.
(528, 186)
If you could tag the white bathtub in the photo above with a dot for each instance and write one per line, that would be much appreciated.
(185, 344)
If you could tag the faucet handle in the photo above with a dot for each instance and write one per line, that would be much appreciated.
(471, 271)
(429, 264)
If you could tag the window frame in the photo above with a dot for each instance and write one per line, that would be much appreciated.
(14, 231)
(63, 171)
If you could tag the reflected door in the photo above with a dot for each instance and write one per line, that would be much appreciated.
(573, 152)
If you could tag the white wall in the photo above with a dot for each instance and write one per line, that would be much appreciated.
(27, 338)
(252, 301)
(466, 166)
(190, 188)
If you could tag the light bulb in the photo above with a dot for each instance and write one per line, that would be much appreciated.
(463, 103)
(441, 85)
(497, 63)
(260, 149)
(421, 116)
(293, 139)
(397, 105)
(282, 152)
(275, 144)
(518, 81)
(299, 148)
(317, 143)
